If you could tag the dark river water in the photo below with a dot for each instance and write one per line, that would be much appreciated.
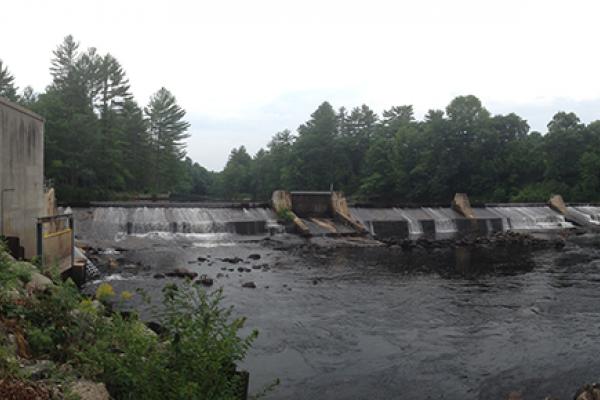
(341, 325)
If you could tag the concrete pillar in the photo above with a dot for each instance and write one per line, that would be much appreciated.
(341, 211)
(281, 201)
(557, 203)
(462, 205)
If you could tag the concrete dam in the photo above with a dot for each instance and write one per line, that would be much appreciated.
(327, 214)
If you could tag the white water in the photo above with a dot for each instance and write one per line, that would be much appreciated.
(530, 218)
(113, 222)
(591, 213)
(444, 219)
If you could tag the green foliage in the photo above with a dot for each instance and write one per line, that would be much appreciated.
(285, 215)
(493, 158)
(100, 144)
(193, 358)
(7, 85)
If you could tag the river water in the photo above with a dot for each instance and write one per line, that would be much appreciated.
(369, 323)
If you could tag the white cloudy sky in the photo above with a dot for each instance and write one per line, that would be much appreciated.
(246, 69)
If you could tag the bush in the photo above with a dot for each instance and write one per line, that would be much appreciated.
(194, 357)
(285, 215)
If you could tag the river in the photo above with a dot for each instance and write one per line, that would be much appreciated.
(365, 323)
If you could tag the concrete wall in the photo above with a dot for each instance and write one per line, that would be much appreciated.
(21, 169)
(312, 204)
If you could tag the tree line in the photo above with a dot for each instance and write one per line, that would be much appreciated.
(101, 144)
(395, 158)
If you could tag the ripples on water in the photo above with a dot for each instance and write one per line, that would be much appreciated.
(376, 326)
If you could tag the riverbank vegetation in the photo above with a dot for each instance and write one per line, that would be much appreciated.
(101, 144)
(53, 338)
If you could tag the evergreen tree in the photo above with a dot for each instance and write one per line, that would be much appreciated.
(168, 131)
(7, 83)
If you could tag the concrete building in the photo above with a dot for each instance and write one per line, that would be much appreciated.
(22, 198)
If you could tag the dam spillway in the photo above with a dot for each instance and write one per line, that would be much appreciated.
(436, 223)
(445, 223)
(589, 213)
(108, 222)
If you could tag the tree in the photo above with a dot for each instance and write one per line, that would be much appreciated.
(136, 146)
(63, 63)
(236, 177)
(168, 131)
(564, 144)
(29, 97)
(314, 156)
(7, 83)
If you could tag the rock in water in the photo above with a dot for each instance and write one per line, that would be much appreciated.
(232, 260)
(205, 280)
(250, 285)
(182, 273)
(254, 256)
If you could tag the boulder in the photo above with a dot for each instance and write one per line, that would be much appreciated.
(38, 283)
(232, 260)
(254, 256)
(205, 280)
(87, 390)
(182, 273)
(588, 392)
(250, 285)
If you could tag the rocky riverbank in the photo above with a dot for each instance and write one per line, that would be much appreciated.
(56, 343)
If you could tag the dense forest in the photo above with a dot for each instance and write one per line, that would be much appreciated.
(101, 144)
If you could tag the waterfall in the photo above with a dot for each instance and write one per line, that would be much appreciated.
(591, 213)
(444, 219)
(107, 222)
(530, 218)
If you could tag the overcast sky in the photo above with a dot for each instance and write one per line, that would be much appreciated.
(246, 69)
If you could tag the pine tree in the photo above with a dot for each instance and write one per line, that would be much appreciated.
(7, 85)
(63, 63)
(168, 131)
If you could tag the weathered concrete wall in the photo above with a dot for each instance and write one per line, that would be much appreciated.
(340, 209)
(21, 169)
(312, 204)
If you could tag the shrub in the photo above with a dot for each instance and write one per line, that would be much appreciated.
(194, 357)
(285, 215)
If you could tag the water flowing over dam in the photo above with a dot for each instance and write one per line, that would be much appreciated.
(108, 222)
(403, 222)
(444, 222)
(590, 213)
